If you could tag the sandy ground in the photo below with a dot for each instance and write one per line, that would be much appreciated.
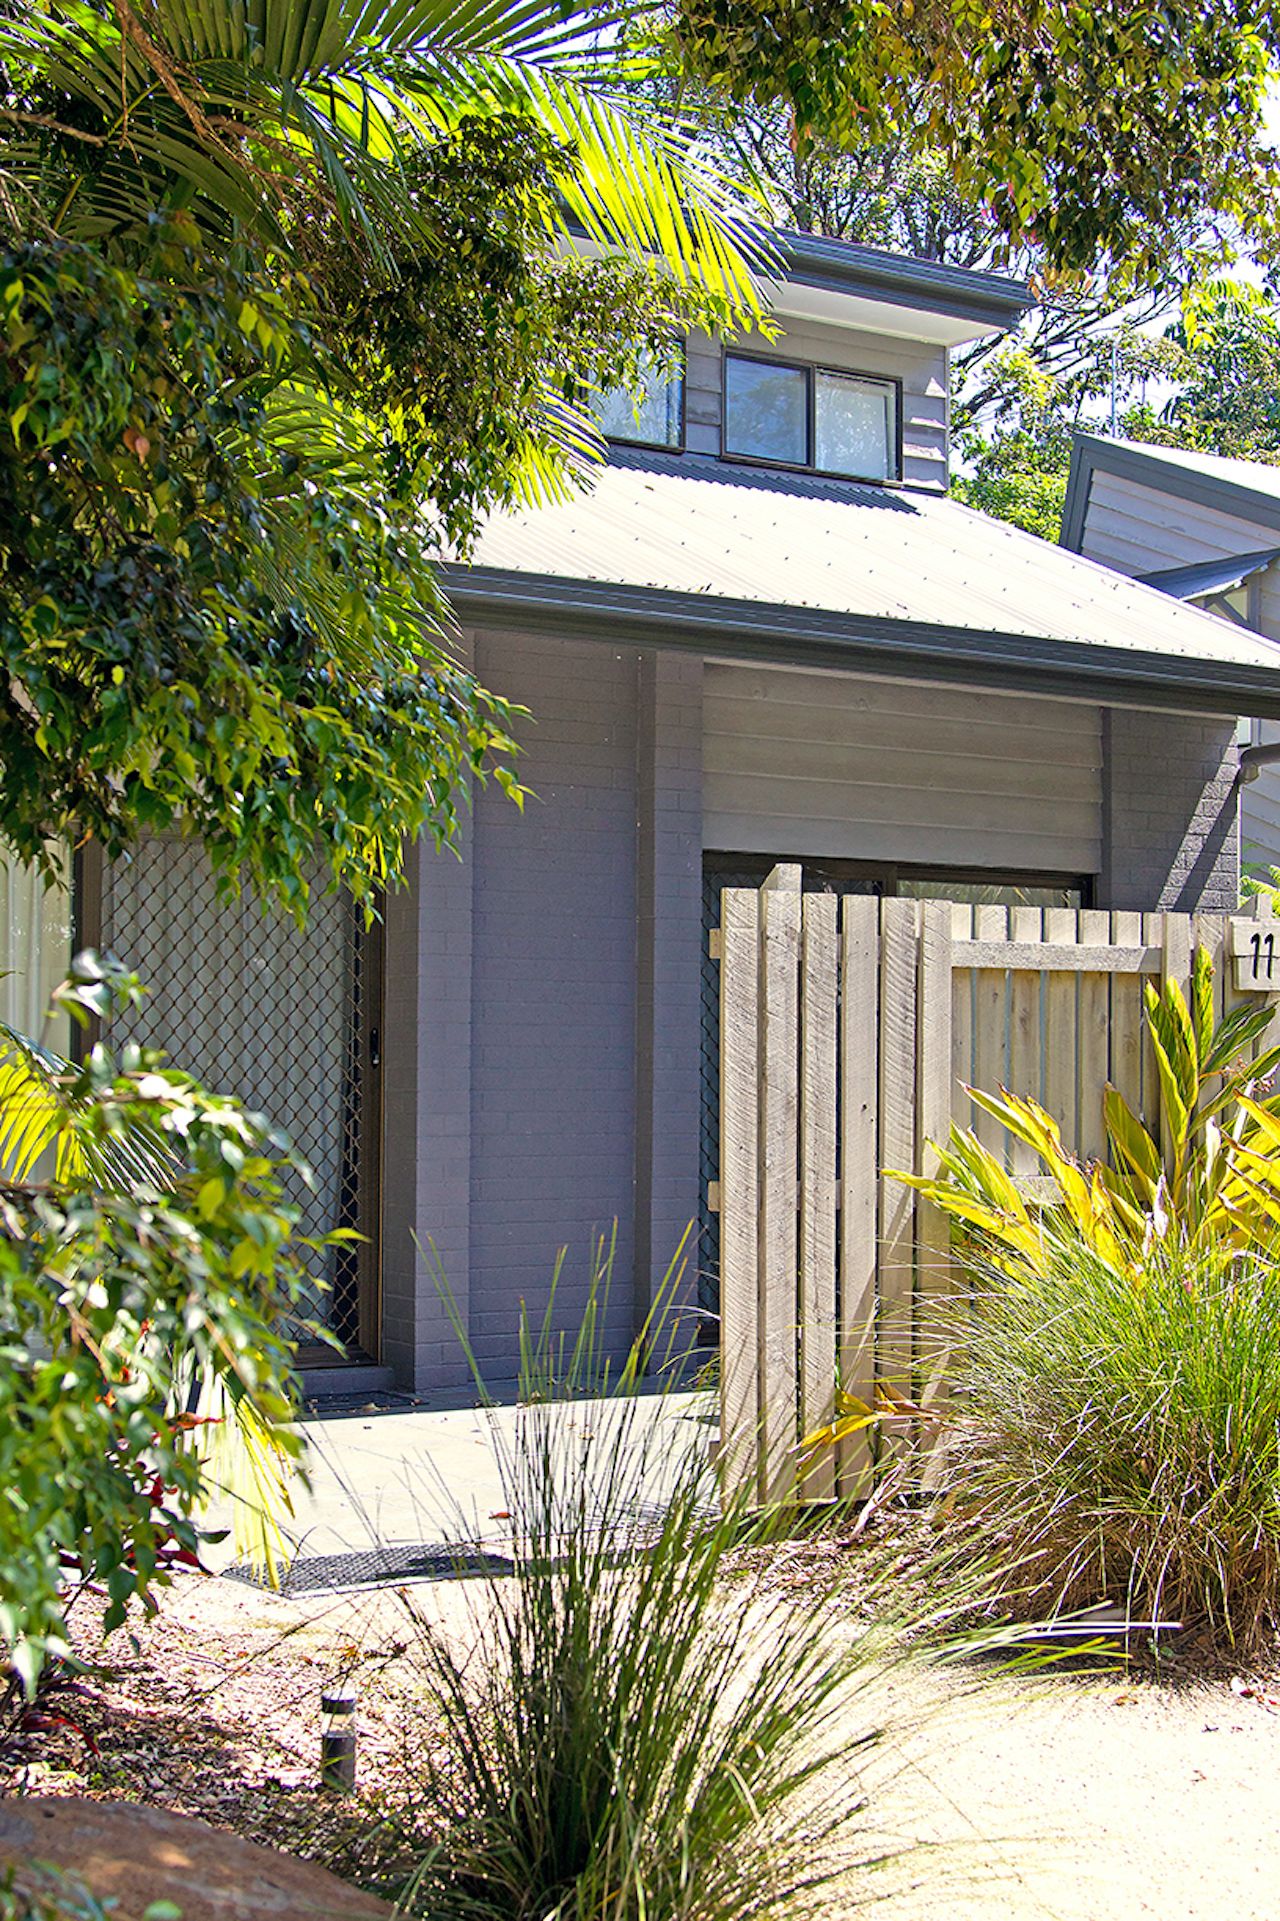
(1084, 1800)
(1094, 1799)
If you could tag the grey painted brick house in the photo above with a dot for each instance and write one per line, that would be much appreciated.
(766, 633)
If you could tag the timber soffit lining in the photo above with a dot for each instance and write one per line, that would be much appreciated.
(677, 551)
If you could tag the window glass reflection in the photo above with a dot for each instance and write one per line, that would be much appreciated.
(766, 411)
(854, 426)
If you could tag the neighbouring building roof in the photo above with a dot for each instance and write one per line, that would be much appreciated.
(1210, 576)
(1246, 487)
(677, 551)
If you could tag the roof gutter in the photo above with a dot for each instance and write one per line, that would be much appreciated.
(842, 266)
(851, 643)
(1254, 759)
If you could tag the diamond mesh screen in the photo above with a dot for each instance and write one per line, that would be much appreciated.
(253, 1007)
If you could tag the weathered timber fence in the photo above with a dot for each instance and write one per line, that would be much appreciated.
(849, 1029)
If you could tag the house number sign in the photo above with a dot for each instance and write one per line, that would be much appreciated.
(1255, 949)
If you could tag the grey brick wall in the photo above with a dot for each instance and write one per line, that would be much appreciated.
(669, 930)
(1170, 812)
(553, 1025)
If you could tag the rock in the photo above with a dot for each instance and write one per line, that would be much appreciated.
(135, 1855)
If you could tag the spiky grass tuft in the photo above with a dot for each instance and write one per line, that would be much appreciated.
(629, 1738)
(1118, 1438)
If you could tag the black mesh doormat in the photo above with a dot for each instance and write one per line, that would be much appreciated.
(377, 1566)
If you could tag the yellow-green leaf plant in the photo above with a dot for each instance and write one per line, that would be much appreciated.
(150, 1269)
(1199, 1170)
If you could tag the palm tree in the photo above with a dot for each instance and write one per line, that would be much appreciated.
(255, 112)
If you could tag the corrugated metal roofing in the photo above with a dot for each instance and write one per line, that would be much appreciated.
(796, 541)
(1210, 576)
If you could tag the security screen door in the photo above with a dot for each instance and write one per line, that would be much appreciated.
(285, 1020)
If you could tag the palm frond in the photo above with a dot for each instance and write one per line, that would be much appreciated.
(205, 95)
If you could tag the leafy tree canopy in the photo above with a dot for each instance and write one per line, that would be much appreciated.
(905, 192)
(1057, 115)
(1219, 364)
(283, 314)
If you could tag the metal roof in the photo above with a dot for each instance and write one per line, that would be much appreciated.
(1210, 576)
(989, 301)
(677, 550)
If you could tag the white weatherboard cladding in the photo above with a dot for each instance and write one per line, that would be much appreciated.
(1140, 530)
(812, 764)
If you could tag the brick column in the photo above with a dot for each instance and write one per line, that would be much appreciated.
(1171, 834)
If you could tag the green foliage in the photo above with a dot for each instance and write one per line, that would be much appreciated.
(281, 313)
(1020, 478)
(1115, 1375)
(1221, 357)
(1011, 93)
(481, 350)
(40, 1892)
(626, 1738)
(1227, 342)
(276, 121)
(1203, 1175)
(207, 615)
(162, 1254)
(1118, 1436)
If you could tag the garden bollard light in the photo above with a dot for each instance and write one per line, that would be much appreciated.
(338, 1736)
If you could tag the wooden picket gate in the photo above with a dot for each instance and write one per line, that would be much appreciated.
(848, 1031)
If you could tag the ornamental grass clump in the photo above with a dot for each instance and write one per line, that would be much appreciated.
(1119, 1437)
(1115, 1366)
(623, 1733)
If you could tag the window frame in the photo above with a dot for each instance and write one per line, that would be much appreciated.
(658, 446)
(811, 369)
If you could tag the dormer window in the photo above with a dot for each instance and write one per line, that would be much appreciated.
(655, 420)
(788, 414)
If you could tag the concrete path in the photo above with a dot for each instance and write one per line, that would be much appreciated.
(432, 1478)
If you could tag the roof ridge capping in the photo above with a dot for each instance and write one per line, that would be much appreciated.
(851, 267)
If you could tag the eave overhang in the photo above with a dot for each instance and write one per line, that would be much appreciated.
(858, 643)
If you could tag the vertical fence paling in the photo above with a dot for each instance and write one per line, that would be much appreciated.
(818, 998)
(847, 1032)
(739, 1189)
(859, 1167)
(780, 902)
(899, 938)
(933, 1119)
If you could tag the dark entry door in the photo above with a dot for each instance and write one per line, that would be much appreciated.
(285, 1020)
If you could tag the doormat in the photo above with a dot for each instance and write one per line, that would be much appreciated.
(375, 1567)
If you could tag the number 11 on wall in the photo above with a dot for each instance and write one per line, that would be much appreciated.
(1256, 952)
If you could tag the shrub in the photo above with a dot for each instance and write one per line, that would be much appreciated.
(1119, 1436)
(1116, 1376)
(143, 1289)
